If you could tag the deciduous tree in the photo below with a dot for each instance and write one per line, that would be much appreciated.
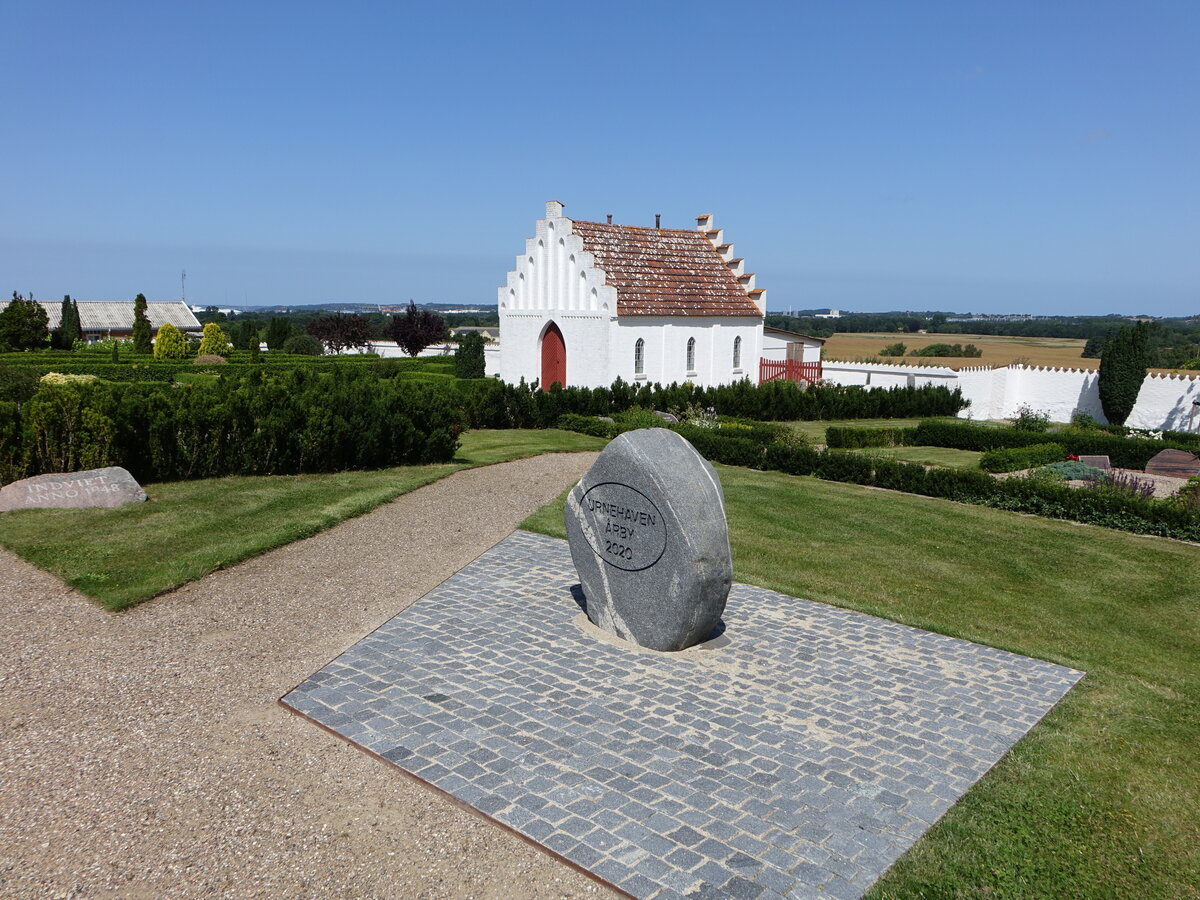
(342, 332)
(416, 329)
(24, 325)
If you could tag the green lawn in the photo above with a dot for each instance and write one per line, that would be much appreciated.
(123, 556)
(1100, 800)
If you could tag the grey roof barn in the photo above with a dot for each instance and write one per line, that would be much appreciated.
(105, 318)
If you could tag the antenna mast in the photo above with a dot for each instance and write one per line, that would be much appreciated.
(183, 286)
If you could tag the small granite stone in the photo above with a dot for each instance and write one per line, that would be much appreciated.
(106, 488)
(647, 532)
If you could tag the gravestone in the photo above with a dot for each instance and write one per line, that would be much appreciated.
(1096, 462)
(108, 487)
(1175, 463)
(648, 536)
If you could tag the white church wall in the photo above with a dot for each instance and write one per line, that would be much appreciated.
(665, 350)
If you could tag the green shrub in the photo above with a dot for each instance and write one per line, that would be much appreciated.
(899, 476)
(836, 465)
(17, 384)
(1027, 419)
(1074, 470)
(213, 341)
(1014, 458)
(469, 356)
(592, 425)
(170, 343)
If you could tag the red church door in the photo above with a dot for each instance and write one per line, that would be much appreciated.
(554, 358)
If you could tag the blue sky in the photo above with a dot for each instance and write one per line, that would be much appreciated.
(977, 156)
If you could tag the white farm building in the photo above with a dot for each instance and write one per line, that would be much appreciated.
(590, 302)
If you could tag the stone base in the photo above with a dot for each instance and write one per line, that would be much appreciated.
(800, 754)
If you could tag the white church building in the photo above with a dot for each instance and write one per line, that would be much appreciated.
(590, 302)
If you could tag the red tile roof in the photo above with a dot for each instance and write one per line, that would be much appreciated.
(664, 271)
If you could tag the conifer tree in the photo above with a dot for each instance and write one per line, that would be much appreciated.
(141, 325)
(58, 337)
(279, 330)
(1123, 363)
(170, 343)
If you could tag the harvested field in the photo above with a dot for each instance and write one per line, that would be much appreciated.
(998, 350)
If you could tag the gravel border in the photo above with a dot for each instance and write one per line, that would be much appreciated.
(144, 754)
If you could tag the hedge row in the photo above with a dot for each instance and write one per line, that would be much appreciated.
(299, 421)
(1013, 459)
(850, 438)
(1123, 452)
(734, 443)
(1104, 506)
(144, 369)
(494, 404)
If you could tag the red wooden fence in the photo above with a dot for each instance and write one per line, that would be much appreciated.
(788, 370)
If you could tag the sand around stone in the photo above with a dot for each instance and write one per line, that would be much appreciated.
(105, 488)
(799, 756)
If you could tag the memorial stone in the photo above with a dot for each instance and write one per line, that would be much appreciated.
(1175, 464)
(648, 536)
(106, 488)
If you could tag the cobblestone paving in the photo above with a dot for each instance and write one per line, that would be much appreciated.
(798, 758)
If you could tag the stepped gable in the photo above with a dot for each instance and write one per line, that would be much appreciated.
(665, 271)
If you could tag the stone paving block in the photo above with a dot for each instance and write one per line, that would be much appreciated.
(800, 759)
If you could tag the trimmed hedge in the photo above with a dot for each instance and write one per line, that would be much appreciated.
(1124, 453)
(1012, 459)
(1099, 505)
(299, 421)
(494, 404)
(851, 438)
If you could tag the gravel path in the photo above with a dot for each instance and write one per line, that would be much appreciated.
(143, 754)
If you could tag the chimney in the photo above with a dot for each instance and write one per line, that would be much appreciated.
(610, 218)
(553, 209)
(658, 220)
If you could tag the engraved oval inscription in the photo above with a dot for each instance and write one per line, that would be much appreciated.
(627, 530)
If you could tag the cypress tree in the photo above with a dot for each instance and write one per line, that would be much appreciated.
(76, 324)
(1123, 363)
(279, 330)
(58, 337)
(141, 325)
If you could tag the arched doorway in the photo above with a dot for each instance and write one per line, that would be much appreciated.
(554, 358)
